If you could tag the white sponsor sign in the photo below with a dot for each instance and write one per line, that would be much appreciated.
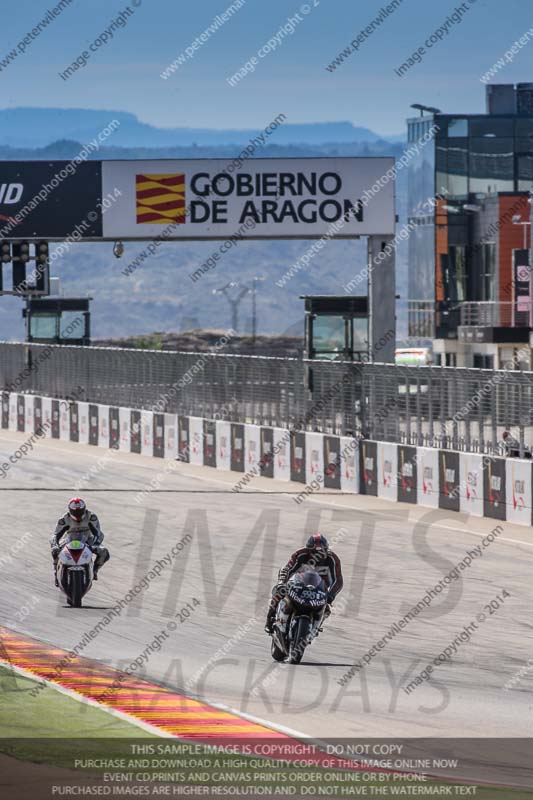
(314, 454)
(471, 483)
(428, 477)
(28, 410)
(64, 421)
(223, 445)
(518, 491)
(46, 416)
(252, 448)
(171, 436)
(196, 440)
(13, 412)
(147, 433)
(349, 465)
(124, 415)
(388, 471)
(103, 426)
(265, 198)
(282, 454)
(83, 422)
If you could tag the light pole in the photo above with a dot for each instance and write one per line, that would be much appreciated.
(253, 291)
(233, 301)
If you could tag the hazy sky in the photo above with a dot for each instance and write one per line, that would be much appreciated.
(125, 74)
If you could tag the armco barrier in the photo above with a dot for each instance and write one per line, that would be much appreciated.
(486, 486)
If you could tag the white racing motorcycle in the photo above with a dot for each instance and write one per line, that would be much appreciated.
(75, 570)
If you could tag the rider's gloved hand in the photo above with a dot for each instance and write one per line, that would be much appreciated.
(55, 551)
(283, 574)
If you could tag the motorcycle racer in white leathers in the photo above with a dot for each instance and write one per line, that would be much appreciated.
(79, 523)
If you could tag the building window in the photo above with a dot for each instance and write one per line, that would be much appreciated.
(491, 127)
(524, 135)
(451, 359)
(488, 272)
(491, 165)
(451, 164)
(453, 264)
(525, 173)
(482, 361)
(457, 127)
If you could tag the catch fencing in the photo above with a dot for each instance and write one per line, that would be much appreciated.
(446, 407)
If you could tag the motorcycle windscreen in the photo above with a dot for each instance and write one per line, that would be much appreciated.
(310, 578)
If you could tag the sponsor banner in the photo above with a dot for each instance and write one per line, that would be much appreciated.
(103, 426)
(159, 436)
(74, 202)
(314, 458)
(196, 440)
(64, 420)
(83, 416)
(387, 470)
(368, 466)
(349, 454)
(210, 443)
(267, 199)
(281, 450)
(519, 477)
(124, 417)
(147, 433)
(28, 413)
(93, 424)
(332, 462)
(12, 412)
(252, 449)
(37, 413)
(237, 447)
(449, 480)
(46, 408)
(21, 415)
(297, 441)
(407, 474)
(223, 448)
(5, 410)
(114, 428)
(74, 420)
(184, 441)
(268, 459)
(171, 436)
(494, 494)
(135, 432)
(428, 477)
(471, 485)
(55, 419)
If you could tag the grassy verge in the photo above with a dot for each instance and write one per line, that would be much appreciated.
(47, 728)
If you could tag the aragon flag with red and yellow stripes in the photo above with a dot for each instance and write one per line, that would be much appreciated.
(160, 199)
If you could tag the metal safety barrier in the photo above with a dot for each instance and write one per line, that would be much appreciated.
(452, 408)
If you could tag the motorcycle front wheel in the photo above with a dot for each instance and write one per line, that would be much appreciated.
(76, 588)
(277, 654)
(300, 640)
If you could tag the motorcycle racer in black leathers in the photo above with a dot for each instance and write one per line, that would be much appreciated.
(315, 555)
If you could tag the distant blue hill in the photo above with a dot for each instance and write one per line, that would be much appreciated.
(37, 127)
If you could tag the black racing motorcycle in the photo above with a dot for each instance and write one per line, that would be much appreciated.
(305, 603)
